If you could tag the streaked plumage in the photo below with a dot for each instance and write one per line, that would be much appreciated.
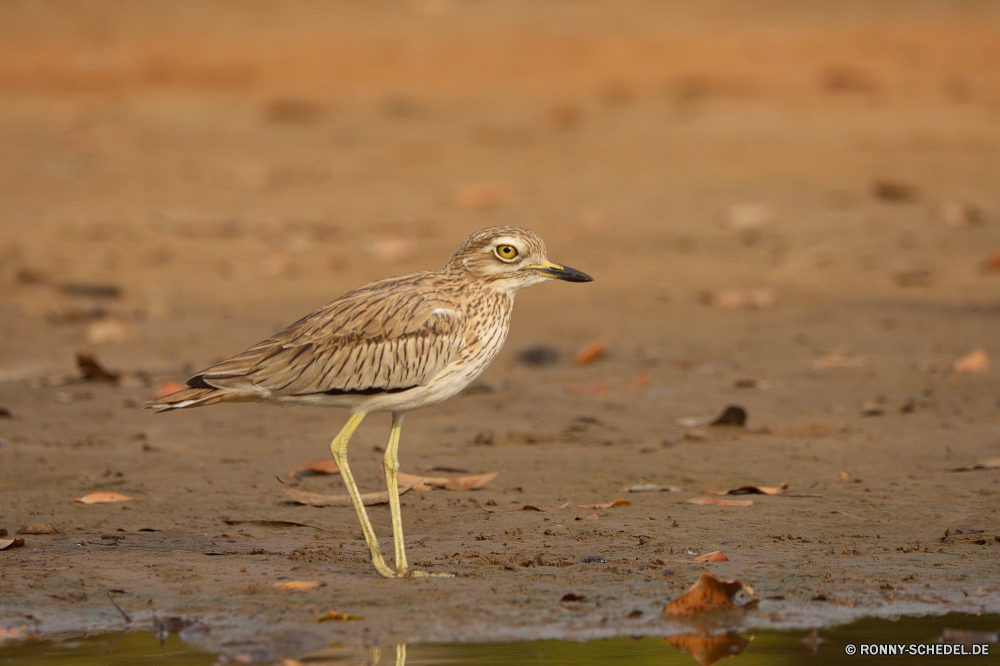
(393, 345)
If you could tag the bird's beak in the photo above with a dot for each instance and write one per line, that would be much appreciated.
(561, 272)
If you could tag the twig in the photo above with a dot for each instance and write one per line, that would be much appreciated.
(117, 607)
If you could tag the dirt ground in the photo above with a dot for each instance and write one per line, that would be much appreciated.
(229, 168)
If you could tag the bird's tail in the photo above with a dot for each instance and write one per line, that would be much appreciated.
(189, 397)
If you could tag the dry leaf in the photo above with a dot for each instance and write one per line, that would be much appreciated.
(38, 528)
(847, 477)
(707, 650)
(267, 523)
(11, 543)
(532, 507)
(605, 505)
(708, 595)
(972, 363)
(592, 516)
(714, 556)
(423, 483)
(989, 463)
(103, 498)
(91, 370)
(340, 617)
(316, 499)
(993, 263)
(315, 466)
(721, 502)
(758, 490)
(298, 585)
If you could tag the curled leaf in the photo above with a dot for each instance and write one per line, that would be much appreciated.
(315, 466)
(989, 463)
(103, 498)
(11, 543)
(532, 507)
(423, 483)
(709, 594)
(38, 528)
(651, 488)
(605, 505)
(751, 490)
(714, 556)
(298, 585)
(316, 499)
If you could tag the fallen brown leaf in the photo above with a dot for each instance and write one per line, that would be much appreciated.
(11, 543)
(316, 499)
(753, 490)
(340, 617)
(707, 650)
(532, 507)
(38, 528)
(974, 362)
(592, 516)
(461, 483)
(298, 585)
(315, 466)
(268, 523)
(714, 556)
(710, 594)
(989, 463)
(103, 498)
(721, 502)
(605, 505)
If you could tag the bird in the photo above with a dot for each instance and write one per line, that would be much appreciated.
(393, 345)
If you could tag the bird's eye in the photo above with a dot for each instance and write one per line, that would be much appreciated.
(506, 252)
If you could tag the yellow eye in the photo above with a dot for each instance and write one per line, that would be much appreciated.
(506, 252)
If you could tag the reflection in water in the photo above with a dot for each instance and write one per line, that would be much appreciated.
(823, 647)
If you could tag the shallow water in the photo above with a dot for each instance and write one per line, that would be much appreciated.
(826, 647)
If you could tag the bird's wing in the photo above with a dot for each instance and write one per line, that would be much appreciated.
(387, 336)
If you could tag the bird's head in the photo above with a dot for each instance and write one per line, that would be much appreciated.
(509, 259)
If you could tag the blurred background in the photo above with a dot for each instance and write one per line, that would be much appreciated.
(213, 159)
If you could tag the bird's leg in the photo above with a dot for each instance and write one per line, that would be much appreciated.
(339, 449)
(392, 483)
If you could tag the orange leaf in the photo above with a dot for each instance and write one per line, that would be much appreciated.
(714, 556)
(710, 594)
(721, 502)
(605, 505)
(298, 585)
(974, 362)
(315, 466)
(103, 498)
(595, 348)
(448, 483)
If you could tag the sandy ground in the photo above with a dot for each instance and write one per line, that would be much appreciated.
(841, 163)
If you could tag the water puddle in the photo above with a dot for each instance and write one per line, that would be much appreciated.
(942, 641)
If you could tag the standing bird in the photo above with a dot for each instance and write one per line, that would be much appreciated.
(390, 346)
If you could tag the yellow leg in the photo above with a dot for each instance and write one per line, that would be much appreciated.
(339, 449)
(391, 479)
(392, 483)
